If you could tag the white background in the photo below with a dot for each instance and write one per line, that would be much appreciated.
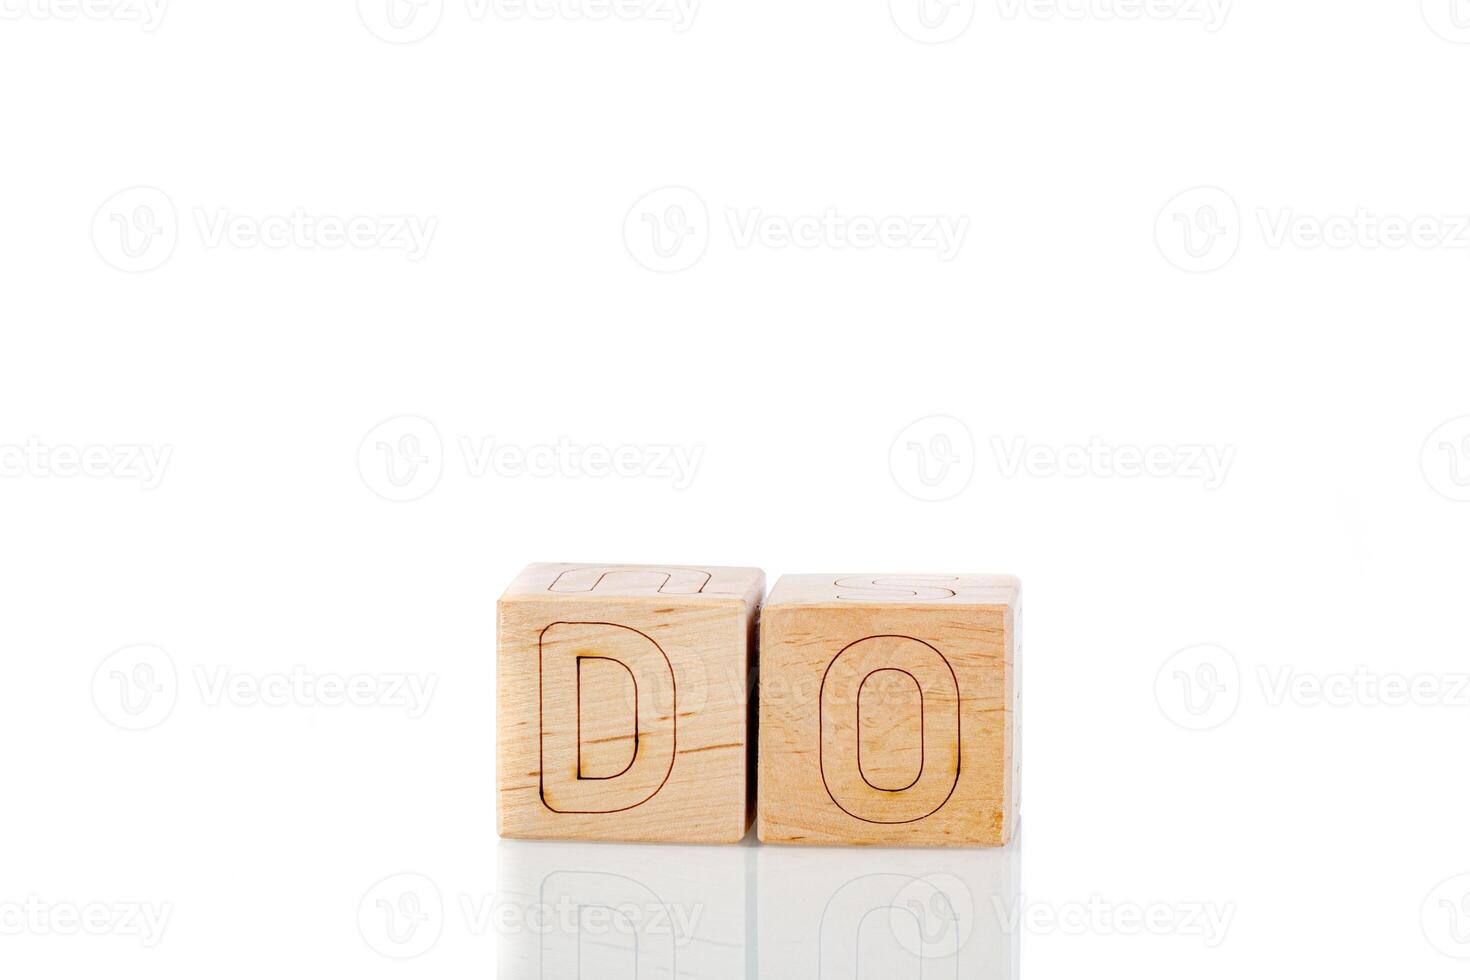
(1292, 318)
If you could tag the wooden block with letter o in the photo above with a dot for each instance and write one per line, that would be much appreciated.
(625, 703)
(888, 710)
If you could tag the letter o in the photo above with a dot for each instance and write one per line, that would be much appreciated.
(938, 731)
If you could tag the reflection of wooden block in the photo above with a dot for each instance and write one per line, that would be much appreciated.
(888, 709)
(650, 911)
(624, 707)
(896, 912)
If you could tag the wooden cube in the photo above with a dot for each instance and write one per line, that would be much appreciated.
(888, 710)
(625, 703)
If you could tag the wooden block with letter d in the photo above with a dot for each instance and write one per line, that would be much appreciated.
(625, 703)
(889, 710)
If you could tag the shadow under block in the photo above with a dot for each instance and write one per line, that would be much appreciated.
(888, 710)
(625, 703)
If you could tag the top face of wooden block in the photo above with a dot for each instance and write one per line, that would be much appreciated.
(662, 582)
(912, 590)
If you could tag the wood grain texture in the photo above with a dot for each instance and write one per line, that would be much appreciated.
(625, 703)
(889, 710)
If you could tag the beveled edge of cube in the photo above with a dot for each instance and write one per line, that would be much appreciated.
(625, 833)
(983, 839)
(848, 590)
(572, 581)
